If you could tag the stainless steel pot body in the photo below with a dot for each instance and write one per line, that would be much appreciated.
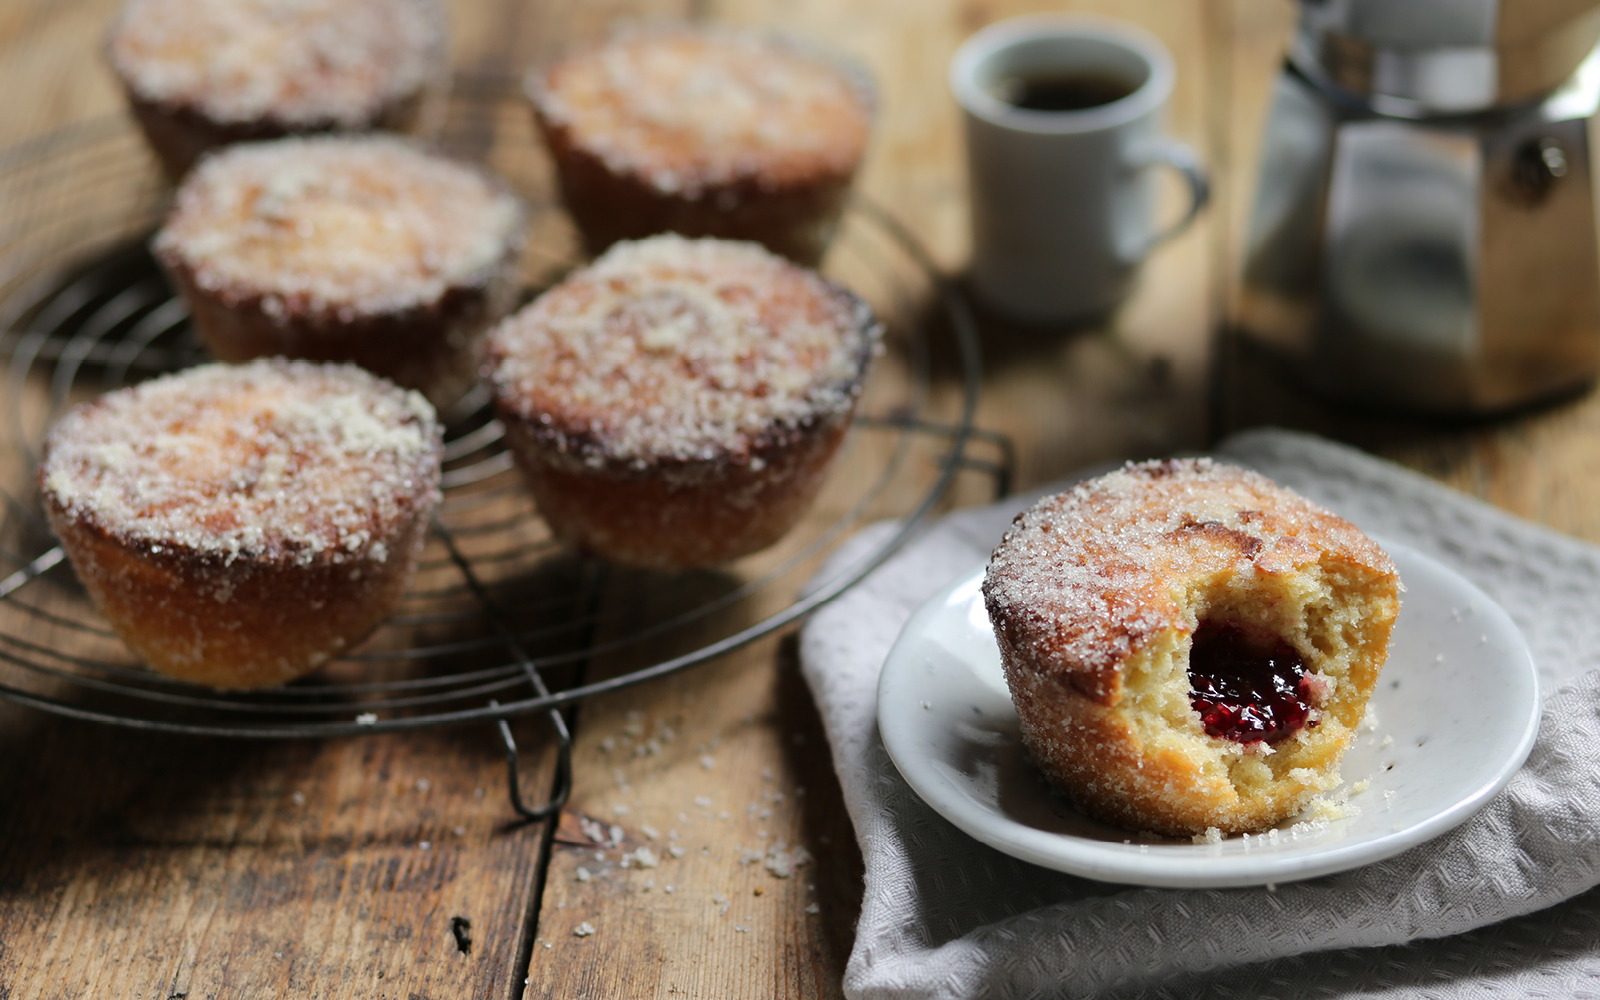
(1417, 58)
(1445, 264)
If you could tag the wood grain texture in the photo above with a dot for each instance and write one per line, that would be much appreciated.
(144, 866)
(160, 867)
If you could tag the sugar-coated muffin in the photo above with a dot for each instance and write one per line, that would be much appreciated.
(705, 131)
(367, 248)
(239, 525)
(676, 404)
(1189, 646)
(205, 73)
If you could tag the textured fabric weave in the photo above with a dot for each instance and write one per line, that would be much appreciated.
(1498, 907)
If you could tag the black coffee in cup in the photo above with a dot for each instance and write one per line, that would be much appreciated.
(1062, 90)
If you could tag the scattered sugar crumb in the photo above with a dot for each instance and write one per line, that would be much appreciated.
(781, 862)
(582, 874)
(583, 930)
(1211, 836)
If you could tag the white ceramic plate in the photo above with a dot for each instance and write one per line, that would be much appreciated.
(1458, 702)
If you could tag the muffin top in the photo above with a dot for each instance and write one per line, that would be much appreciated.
(272, 460)
(293, 63)
(685, 108)
(1084, 579)
(671, 348)
(348, 225)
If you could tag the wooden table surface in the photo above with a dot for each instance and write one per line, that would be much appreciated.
(167, 867)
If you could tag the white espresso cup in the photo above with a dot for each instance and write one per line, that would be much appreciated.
(1063, 200)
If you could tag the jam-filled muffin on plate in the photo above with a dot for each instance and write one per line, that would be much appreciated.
(1189, 646)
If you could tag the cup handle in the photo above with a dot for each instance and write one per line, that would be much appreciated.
(1183, 159)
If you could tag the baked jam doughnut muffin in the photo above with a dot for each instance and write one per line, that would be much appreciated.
(205, 73)
(704, 132)
(676, 404)
(1189, 645)
(347, 248)
(240, 525)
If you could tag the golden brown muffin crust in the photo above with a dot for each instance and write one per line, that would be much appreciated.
(671, 349)
(291, 64)
(1084, 578)
(1096, 596)
(687, 109)
(240, 525)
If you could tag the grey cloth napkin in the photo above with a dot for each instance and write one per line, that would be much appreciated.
(1498, 907)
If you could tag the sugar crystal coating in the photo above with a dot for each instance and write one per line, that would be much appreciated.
(689, 109)
(273, 460)
(682, 349)
(1089, 569)
(297, 63)
(344, 224)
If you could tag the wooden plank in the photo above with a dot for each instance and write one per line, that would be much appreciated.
(148, 866)
(161, 866)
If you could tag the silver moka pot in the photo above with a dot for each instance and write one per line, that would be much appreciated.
(1424, 230)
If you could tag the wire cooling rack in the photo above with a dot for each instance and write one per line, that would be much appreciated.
(500, 621)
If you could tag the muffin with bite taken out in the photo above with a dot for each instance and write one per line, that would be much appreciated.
(1189, 646)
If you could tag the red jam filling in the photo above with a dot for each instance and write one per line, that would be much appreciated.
(1247, 685)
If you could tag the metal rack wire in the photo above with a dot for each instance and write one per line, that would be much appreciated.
(500, 621)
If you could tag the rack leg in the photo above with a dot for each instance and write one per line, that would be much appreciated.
(563, 786)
